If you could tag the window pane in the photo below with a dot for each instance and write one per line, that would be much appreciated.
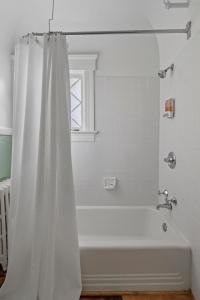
(76, 117)
(76, 102)
(5, 156)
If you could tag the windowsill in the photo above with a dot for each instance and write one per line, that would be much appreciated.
(5, 131)
(83, 136)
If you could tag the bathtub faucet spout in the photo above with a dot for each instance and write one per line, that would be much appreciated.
(164, 205)
(168, 204)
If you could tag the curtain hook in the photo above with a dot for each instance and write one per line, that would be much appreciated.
(52, 15)
(28, 39)
(36, 39)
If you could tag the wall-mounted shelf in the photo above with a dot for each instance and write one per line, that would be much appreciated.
(176, 4)
(169, 109)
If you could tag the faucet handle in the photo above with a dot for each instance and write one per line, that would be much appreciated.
(165, 193)
(173, 201)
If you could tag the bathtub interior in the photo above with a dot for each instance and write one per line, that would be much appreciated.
(125, 224)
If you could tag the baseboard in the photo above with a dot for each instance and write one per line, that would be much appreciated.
(196, 297)
(121, 293)
(5, 131)
(137, 282)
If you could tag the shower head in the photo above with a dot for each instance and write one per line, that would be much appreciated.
(162, 73)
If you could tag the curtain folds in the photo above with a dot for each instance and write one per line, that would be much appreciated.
(44, 261)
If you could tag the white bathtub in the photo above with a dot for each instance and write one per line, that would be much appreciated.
(126, 249)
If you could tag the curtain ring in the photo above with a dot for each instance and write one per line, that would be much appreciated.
(36, 39)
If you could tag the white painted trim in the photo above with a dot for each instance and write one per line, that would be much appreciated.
(195, 295)
(5, 131)
(89, 100)
(134, 282)
(83, 61)
(79, 61)
(85, 64)
(83, 136)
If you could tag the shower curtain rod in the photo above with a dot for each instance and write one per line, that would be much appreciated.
(186, 30)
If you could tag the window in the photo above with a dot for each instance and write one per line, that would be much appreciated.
(5, 155)
(82, 68)
(76, 86)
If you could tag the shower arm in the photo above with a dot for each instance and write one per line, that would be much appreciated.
(169, 68)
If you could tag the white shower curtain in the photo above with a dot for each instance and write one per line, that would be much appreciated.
(43, 245)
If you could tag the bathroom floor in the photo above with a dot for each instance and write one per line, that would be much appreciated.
(102, 298)
(128, 296)
(145, 296)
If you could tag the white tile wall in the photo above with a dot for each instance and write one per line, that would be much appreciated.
(127, 113)
(182, 135)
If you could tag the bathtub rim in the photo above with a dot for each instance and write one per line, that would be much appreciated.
(170, 220)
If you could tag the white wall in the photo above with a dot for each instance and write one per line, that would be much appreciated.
(16, 17)
(126, 115)
(126, 104)
(126, 93)
(126, 147)
(181, 135)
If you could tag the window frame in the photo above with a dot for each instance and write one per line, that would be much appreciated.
(85, 65)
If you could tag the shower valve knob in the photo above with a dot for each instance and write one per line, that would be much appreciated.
(171, 160)
(165, 193)
(173, 201)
